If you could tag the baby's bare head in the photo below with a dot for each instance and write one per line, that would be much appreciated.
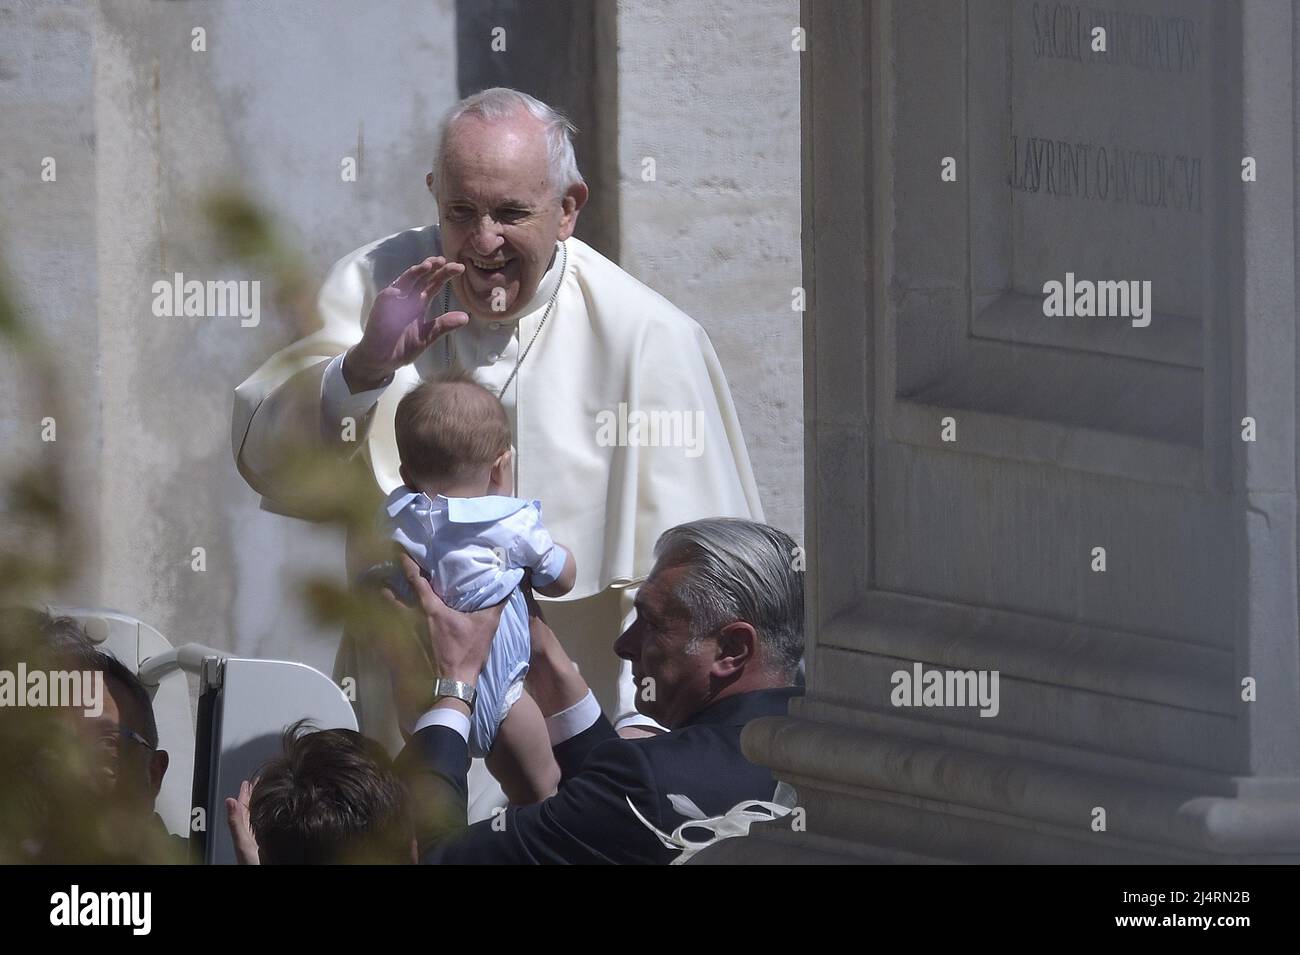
(450, 430)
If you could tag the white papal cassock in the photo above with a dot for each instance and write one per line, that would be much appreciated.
(604, 412)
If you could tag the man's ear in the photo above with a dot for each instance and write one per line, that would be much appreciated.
(428, 183)
(158, 763)
(572, 204)
(737, 647)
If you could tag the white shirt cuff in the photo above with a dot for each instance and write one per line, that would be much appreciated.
(638, 719)
(568, 723)
(338, 402)
(444, 716)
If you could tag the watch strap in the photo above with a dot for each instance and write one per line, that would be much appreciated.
(465, 692)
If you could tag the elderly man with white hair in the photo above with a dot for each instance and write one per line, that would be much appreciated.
(622, 421)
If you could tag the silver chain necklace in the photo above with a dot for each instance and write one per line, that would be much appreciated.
(446, 306)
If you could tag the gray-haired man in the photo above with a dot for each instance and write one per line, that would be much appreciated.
(716, 643)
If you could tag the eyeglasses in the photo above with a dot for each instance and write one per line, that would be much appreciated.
(111, 737)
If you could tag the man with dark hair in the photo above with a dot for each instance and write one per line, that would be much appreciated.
(123, 766)
(716, 643)
(124, 740)
(331, 798)
(44, 803)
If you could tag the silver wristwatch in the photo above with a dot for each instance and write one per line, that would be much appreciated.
(464, 692)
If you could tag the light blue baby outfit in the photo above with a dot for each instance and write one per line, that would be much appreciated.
(474, 551)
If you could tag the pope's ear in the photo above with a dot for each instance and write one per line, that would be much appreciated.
(572, 204)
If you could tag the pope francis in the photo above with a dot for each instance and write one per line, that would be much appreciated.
(568, 340)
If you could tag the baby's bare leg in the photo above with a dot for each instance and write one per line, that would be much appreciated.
(521, 757)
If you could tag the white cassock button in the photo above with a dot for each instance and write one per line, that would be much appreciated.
(493, 358)
(495, 326)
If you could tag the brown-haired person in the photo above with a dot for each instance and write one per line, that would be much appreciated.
(331, 798)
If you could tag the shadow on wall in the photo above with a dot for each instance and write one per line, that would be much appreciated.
(563, 52)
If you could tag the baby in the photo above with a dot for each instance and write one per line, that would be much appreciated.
(457, 519)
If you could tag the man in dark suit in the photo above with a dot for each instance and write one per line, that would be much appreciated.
(716, 643)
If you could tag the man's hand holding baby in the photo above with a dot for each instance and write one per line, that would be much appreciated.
(457, 643)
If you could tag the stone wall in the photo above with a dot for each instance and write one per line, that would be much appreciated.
(1073, 505)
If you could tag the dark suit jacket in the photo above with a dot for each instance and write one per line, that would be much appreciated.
(588, 820)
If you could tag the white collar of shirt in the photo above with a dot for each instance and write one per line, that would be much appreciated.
(479, 510)
(459, 510)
